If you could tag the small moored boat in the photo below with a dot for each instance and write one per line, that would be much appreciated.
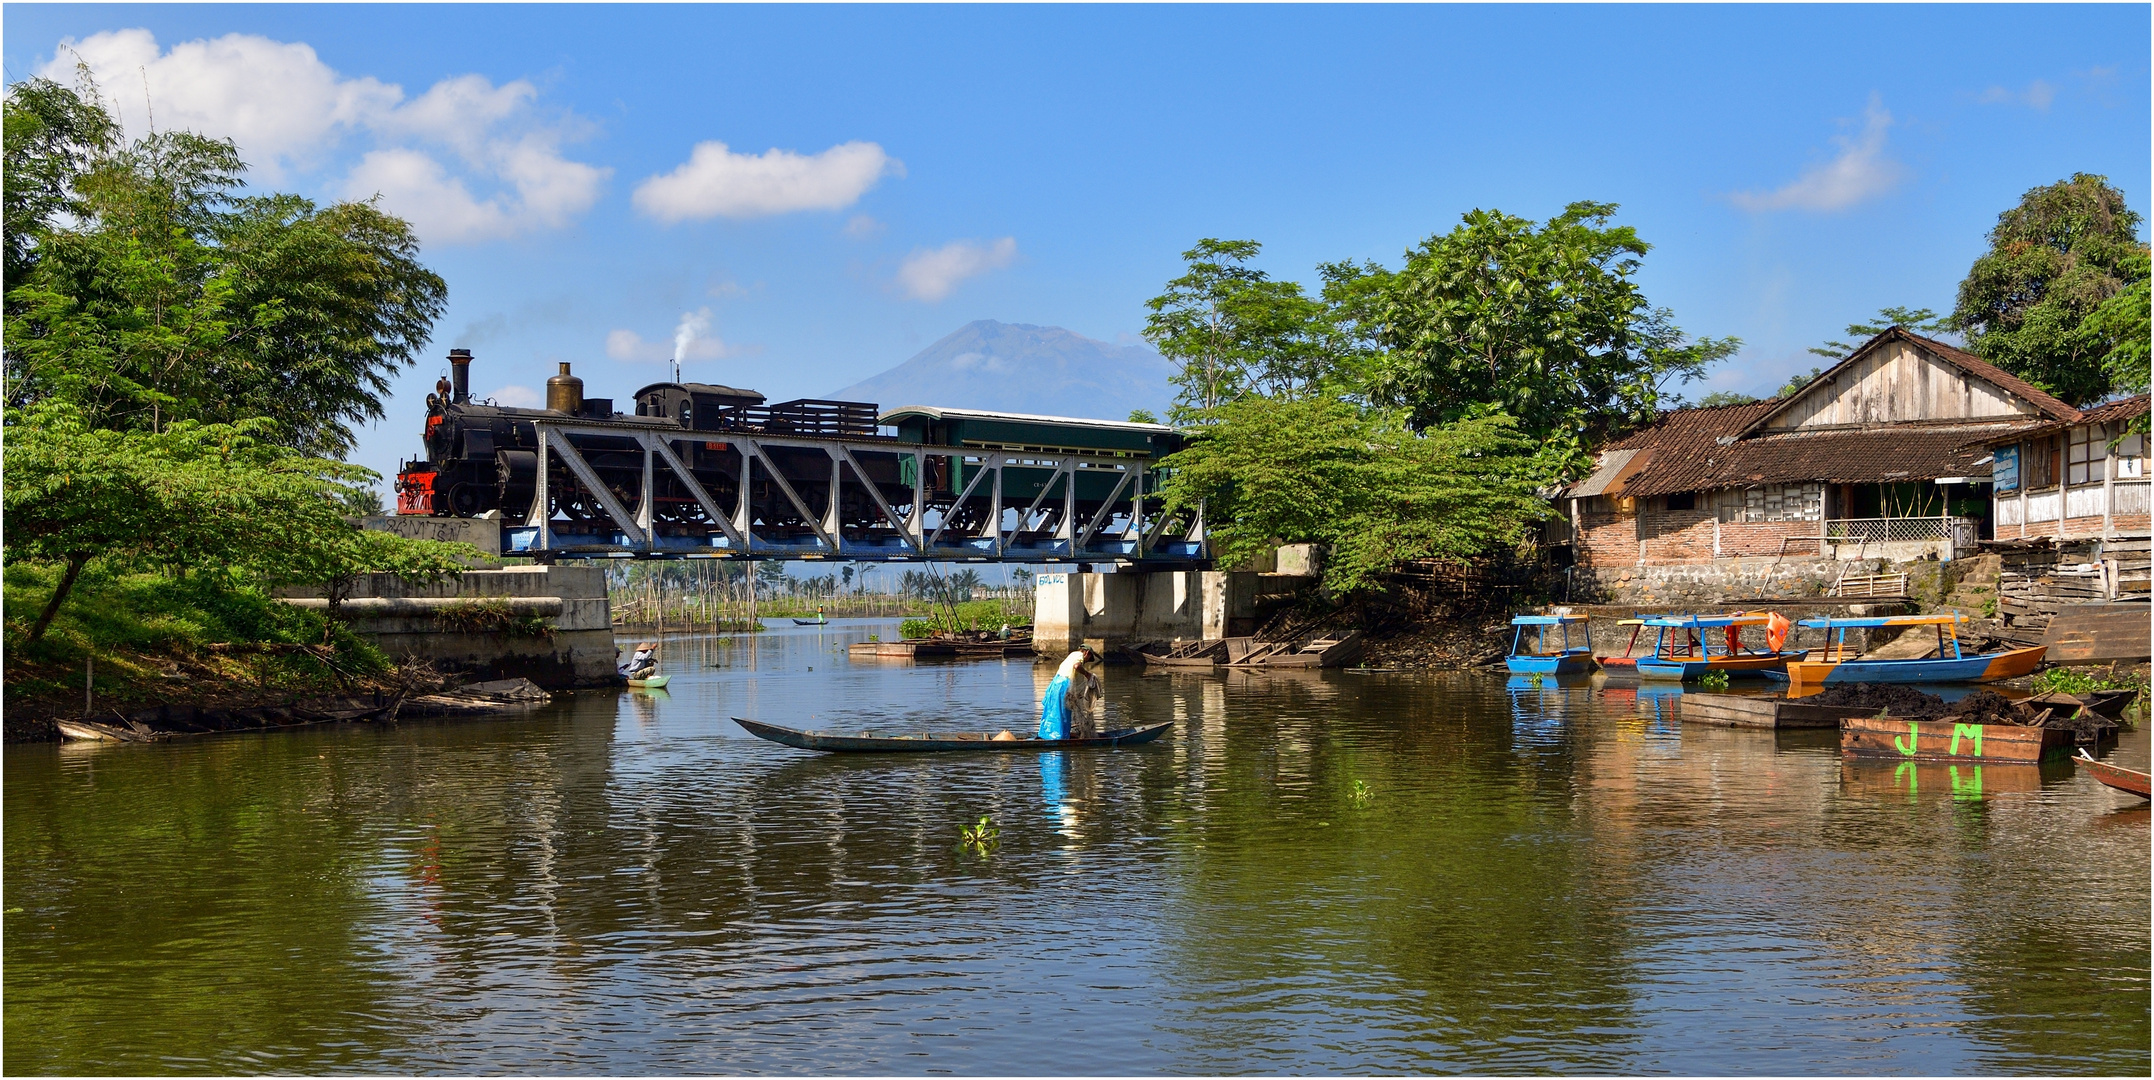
(869, 743)
(655, 682)
(1684, 647)
(1838, 662)
(2129, 781)
(1542, 657)
(1625, 665)
(811, 622)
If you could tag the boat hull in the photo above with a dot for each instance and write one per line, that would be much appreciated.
(655, 682)
(1735, 667)
(953, 741)
(2129, 781)
(1988, 667)
(1943, 740)
(1576, 662)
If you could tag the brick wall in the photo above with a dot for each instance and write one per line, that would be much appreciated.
(1677, 536)
(1764, 537)
(1606, 538)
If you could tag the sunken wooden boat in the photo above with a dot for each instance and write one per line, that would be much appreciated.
(927, 741)
(1323, 652)
(2129, 781)
(1202, 655)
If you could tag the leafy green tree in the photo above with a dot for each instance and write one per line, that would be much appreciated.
(1234, 330)
(143, 288)
(1919, 320)
(2056, 259)
(1293, 470)
(1142, 416)
(52, 134)
(191, 497)
(1546, 324)
(1726, 397)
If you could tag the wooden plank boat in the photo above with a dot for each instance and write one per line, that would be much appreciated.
(1837, 662)
(655, 682)
(868, 743)
(1335, 652)
(1201, 655)
(1684, 647)
(1943, 740)
(811, 622)
(1540, 656)
(1728, 710)
(2129, 781)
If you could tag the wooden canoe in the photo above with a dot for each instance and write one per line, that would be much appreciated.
(655, 682)
(867, 743)
(1943, 740)
(2129, 781)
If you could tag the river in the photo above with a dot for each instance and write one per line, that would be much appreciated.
(1331, 872)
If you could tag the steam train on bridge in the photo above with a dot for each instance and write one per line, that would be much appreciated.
(699, 468)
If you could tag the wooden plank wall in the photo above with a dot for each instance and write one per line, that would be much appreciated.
(1899, 383)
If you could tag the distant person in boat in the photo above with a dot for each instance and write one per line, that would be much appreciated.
(1004, 633)
(643, 664)
(1066, 711)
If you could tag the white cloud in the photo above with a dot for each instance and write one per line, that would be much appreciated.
(521, 397)
(692, 341)
(2038, 95)
(287, 110)
(1861, 172)
(715, 182)
(276, 99)
(418, 189)
(930, 275)
(863, 227)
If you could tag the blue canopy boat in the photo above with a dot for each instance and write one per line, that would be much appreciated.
(1540, 659)
(1691, 652)
(1839, 663)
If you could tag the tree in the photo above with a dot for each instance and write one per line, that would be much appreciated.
(143, 288)
(1270, 470)
(1234, 330)
(52, 135)
(1544, 324)
(1719, 398)
(2054, 260)
(1920, 320)
(191, 497)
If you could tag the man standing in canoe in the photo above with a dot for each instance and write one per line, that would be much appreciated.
(1066, 711)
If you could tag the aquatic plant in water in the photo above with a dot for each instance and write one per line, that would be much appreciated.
(1714, 680)
(1361, 793)
(980, 838)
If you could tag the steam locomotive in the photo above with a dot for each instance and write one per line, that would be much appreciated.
(482, 459)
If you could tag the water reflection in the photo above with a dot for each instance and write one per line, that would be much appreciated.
(1325, 871)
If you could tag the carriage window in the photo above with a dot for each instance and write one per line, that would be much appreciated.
(687, 414)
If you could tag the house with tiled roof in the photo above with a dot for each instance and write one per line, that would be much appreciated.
(1886, 454)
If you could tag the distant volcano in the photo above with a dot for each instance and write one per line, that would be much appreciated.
(1008, 367)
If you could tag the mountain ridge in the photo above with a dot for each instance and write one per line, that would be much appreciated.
(995, 366)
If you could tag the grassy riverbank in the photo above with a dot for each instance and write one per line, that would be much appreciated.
(145, 639)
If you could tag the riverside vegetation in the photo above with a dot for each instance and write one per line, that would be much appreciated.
(184, 362)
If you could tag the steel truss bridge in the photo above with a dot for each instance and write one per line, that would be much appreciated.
(1122, 530)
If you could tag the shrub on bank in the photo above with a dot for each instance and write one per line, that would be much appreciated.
(157, 636)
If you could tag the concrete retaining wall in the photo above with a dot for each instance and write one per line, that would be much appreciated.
(1108, 611)
(404, 619)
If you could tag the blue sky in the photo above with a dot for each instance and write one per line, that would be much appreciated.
(816, 193)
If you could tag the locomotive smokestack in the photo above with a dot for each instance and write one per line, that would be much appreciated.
(460, 376)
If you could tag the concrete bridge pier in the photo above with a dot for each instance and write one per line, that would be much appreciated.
(1109, 611)
(550, 624)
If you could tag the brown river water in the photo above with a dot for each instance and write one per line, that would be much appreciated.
(1329, 872)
